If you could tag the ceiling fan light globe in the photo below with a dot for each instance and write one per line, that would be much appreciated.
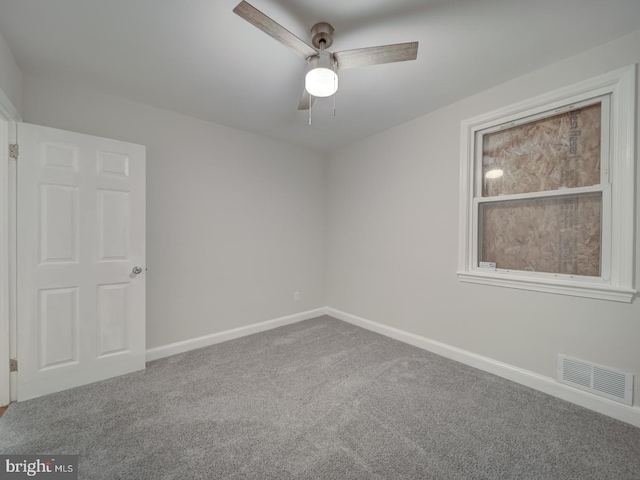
(321, 82)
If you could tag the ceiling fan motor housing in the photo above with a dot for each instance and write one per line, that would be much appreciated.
(322, 35)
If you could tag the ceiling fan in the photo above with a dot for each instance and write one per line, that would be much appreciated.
(321, 79)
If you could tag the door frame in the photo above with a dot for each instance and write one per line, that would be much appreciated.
(8, 215)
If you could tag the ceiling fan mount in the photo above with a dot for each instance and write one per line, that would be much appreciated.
(321, 39)
(322, 35)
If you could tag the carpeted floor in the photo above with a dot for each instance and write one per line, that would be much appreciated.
(319, 399)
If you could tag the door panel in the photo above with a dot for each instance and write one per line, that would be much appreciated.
(113, 311)
(57, 327)
(113, 225)
(58, 224)
(81, 230)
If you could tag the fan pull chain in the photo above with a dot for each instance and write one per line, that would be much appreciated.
(309, 109)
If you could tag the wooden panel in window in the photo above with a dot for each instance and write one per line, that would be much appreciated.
(562, 151)
(554, 235)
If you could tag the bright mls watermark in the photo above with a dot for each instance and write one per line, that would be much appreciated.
(50, 467)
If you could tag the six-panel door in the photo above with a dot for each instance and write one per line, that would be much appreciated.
(81, 233)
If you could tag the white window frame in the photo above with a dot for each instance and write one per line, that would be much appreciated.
(618, 193)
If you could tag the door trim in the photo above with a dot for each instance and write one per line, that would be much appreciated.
(8, 115)
(5, 261)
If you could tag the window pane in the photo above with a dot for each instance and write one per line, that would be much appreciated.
(548, 154)
(554, 235)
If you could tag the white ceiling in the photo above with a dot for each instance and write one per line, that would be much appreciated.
(198, 58)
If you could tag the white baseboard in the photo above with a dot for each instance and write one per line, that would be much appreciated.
(207, 340)
(530, 379)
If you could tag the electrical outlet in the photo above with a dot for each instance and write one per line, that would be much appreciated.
(296, 296)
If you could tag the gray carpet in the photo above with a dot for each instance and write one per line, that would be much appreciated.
(319, 399)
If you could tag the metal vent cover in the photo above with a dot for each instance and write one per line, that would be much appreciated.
(596, 379)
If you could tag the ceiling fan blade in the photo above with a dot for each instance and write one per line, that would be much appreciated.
(361, 57)
(306, 100)
(271, 28)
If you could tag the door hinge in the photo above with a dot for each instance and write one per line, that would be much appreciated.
(14, 150)
(13, 365)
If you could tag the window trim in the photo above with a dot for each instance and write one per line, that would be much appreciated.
(619, 235)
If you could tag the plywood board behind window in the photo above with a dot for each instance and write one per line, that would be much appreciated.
(561, 151)
(556, 235)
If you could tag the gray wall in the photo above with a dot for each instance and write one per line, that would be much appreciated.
(235, 222)
(392, 241)
(10, 78)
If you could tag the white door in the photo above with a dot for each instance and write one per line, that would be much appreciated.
(81, 259)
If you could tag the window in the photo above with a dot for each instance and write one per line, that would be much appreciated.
(547, 192)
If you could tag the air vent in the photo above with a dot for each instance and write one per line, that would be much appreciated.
(599, 380)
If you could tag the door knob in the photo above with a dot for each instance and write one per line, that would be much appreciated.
(137, 270)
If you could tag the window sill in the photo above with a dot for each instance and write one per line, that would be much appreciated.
(551, 285)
